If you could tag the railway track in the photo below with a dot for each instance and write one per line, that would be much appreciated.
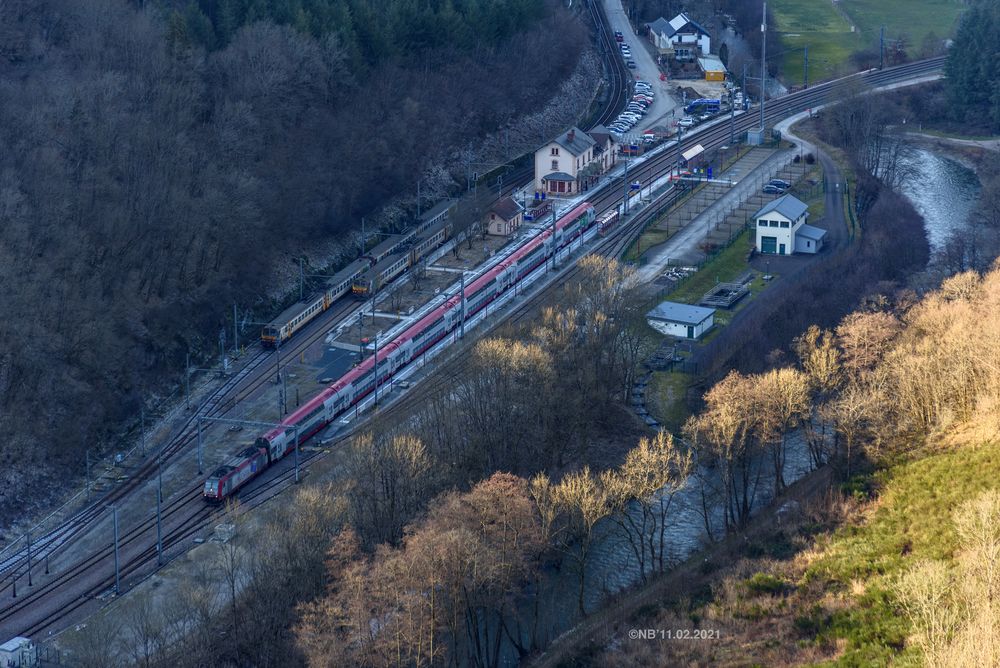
(187, 511)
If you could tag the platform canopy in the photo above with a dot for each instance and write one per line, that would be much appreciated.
(693, 152)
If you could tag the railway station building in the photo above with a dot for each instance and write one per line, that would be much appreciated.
(781, 228)
(568, 164)
(681, 320)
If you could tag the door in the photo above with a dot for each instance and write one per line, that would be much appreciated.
(769, 244)
(781, 249)
(690, 331)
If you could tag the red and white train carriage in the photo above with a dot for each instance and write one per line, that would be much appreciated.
(360, 381)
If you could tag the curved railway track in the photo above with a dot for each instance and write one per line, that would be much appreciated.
(52, 600)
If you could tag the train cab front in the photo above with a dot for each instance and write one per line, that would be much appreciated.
(213, 493)
(269, 336)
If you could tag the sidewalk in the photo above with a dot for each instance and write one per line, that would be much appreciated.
(748, 174)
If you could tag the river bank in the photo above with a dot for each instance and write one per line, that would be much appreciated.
(601, 634)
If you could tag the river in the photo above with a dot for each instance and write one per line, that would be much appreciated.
(942, 190)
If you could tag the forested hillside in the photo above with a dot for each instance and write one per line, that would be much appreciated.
(158, 162)
(972, 75)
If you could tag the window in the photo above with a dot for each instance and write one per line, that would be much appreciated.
(555, 151)
(762, 223)
(773, 223)
(784, 223)
(555, 165)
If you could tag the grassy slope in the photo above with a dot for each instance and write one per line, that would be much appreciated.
(913, 18)
(818, 25)
(830, 604)
(911, 521)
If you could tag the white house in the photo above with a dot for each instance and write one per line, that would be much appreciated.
(681, 320)
(565, 165)
(782, 230)
(685, 38)
(17, 653)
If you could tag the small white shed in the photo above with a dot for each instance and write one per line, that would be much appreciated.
(17, 653)
(681, 320)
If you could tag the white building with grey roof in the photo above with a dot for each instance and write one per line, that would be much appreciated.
(781, 228)
(681, 320)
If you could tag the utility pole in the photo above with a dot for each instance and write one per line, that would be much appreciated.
(745, 93)
(462, 328)
(418, 201)
(114, 510)
(552, 241)
(284, 395)
(732, 119)
(159, 500)
(200, 445)
(625, 185)
(187, 382)
(296, 455)
(142, 427)
(680, 137)
(805, 69)
(376, 370)
(881, 47)
(236, 330)
(88, 474)
(763, 66)
(362, 237)
(361, 327)
(27, 539)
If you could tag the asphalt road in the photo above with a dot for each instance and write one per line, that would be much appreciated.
(646, 70)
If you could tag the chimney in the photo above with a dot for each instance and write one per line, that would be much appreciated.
(570, 136)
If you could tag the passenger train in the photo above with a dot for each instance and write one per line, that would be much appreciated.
(363, 277)
(419, 337)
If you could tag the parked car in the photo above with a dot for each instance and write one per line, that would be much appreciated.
(686, 122)
(773, 190)
(631, 64)
(781, 183)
